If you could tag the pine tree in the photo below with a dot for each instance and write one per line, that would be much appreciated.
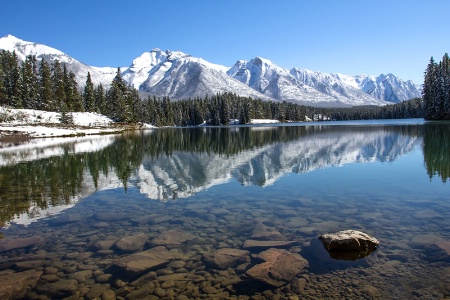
(135, 104)
(66, 117)
(100, 100)
(59, 92)
(3, 94)
(224, 112)
(89, 95)
(12, 79)
(167, 111)
(436, 90)
(73, 97)
(30, 86)
(446, 86)
(46, 100)
(117, 108)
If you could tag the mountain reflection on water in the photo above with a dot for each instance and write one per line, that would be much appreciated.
(175, 163)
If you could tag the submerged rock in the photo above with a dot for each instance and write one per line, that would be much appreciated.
(131, 243)
(59, 289)
(140, 262)
(438, 252)
(172, 237)
(227, 258)
(16, 285)
(265, 233)
(11, 244)
(349, 244)
(279, 268)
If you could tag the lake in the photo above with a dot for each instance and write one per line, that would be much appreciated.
(194, 213)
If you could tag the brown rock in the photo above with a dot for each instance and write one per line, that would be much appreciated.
(59, 289)
(172, 237)
(262, 232)
(28, 265)
(50, 278)
(16, 285)
(423, 240)
(298, 285)
(444, 245)
(131, 243)
(82, 276)
(103, 244)
(227, 258)
(8, 244)
(358, 244)
(371, 291)
(140, 262)
(280, 267)
(95, 292)
(108, 295)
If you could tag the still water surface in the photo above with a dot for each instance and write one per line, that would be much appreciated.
(89, 203)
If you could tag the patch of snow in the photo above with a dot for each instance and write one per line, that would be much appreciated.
(38, 123)
(264, 121)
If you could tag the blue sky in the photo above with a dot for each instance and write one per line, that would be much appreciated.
(333, 36)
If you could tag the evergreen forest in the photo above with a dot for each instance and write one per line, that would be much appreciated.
(436, 90)
(38, 84)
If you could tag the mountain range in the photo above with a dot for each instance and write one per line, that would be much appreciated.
(181, 76)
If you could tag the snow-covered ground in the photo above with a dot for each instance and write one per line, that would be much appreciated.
(264, 121)
(38, 123)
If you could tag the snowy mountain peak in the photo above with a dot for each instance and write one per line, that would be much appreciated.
(148, 60)
(24, 48)
(11, 38)
(174, 55)
(180, 75)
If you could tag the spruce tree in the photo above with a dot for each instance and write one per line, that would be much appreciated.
(2, 88)
(224, 111)
(30, 86)
(46, 100)
(12, 79)
(74, 99)
(436, 90)
(100, 100)
(59, 93)
(89, 95)
(66, 117)
(116, 97)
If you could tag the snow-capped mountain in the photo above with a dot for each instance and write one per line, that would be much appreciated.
(275, 82)
(23, 49)
(340, 87)
(388, 87)
(180, 76)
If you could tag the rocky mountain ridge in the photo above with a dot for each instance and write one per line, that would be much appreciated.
(181, 76)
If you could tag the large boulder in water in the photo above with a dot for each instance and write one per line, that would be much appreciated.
(349, 244)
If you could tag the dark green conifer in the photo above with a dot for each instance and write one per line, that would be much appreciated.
(46, 100)
(89, 95)
(59, 93)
